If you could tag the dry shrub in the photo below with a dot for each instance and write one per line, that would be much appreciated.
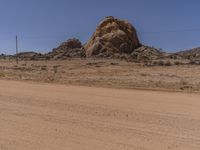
(44, 67)
(194, 62)
(168, 63)
(160, 63)
(178, 63)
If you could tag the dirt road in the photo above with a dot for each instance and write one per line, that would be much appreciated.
(57, 117)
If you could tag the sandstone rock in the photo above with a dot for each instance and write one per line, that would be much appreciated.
(113, 36)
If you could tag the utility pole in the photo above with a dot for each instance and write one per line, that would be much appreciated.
(17, 61)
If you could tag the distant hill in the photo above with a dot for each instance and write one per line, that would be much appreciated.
(189, 54)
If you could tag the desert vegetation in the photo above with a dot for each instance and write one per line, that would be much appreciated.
(160, 75)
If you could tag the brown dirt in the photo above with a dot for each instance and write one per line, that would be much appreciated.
(58, 117)
(105, 73)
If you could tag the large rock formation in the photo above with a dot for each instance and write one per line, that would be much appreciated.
(113, 36)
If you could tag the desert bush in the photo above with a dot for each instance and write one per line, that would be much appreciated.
(194, 62)
(154, 63)
(178, 63)
(55, 68)
(168, 63)
(183, 82)
(161, 63)
(2, 75)
(44, 67)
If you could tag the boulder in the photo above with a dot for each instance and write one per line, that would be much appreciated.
(112, 36)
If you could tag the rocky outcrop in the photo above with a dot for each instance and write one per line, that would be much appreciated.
(188, 54)
(112, 36)
(70, 48)
(29, 55)
(69, 44)
(144, 53)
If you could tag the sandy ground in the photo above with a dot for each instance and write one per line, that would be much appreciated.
(58, 117)
(105, 73)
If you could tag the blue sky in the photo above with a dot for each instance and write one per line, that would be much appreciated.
(42, 24)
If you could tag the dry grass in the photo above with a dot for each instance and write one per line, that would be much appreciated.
(106, 73)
